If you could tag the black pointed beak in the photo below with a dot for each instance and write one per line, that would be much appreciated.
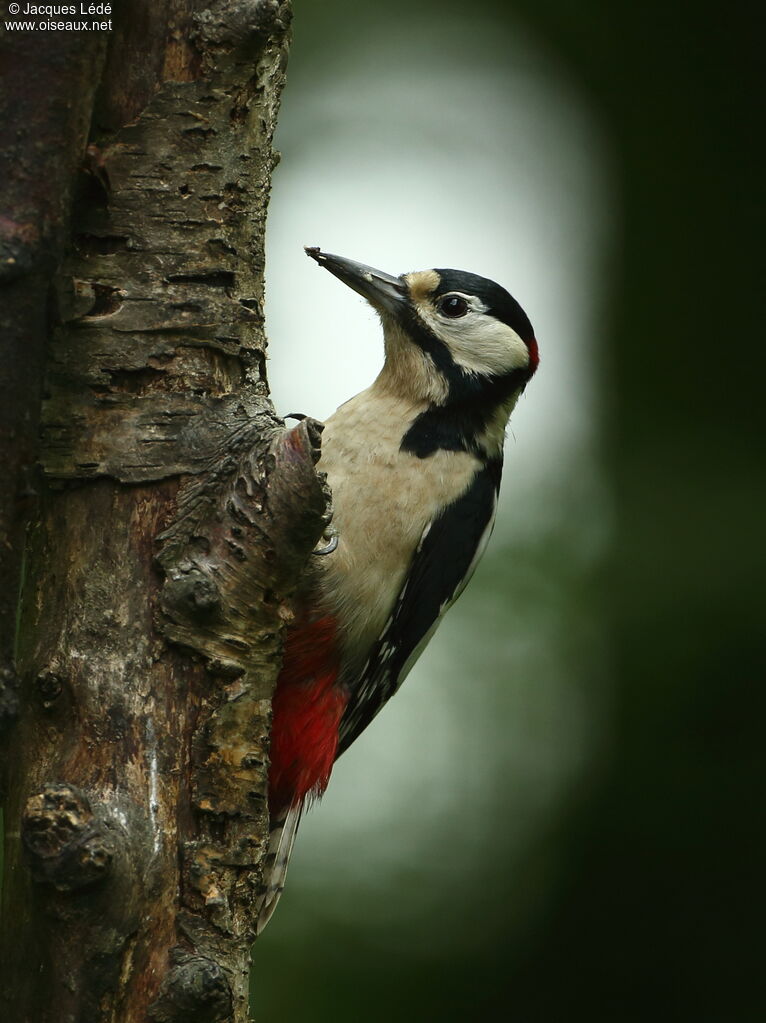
(384, 292)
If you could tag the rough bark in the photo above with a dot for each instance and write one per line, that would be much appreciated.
(175, 517)
(46, 96)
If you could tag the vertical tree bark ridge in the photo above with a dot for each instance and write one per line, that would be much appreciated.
(136, 812)
(238, 545)
(47, 84)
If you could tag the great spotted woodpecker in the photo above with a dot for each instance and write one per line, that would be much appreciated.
(414, 464)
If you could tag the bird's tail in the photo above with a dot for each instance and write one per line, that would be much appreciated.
(281, 840)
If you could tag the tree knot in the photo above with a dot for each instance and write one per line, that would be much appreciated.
(195, 990)
(66, 845)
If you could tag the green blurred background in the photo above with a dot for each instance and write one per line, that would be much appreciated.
(556, 817)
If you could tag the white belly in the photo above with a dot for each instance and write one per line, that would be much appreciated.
(383, 500)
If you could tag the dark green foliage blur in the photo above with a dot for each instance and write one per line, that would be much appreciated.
(638, 900)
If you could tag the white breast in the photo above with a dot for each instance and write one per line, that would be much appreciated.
(383, 500)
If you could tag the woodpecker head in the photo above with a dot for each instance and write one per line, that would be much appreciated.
(453, 339)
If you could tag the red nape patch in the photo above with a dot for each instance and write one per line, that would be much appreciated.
(534, 354)
(307, 708)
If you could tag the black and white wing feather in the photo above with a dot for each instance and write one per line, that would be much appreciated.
(443, 563)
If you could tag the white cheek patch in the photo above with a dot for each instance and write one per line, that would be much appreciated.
(478, 342)
(486, 346)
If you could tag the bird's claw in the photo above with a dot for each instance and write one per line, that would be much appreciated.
(331, 536)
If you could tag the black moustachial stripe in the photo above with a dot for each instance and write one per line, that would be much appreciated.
(472, 399)
(455, 425)
(439, 567)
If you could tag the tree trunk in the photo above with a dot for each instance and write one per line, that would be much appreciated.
(47, 86)
(173, 520)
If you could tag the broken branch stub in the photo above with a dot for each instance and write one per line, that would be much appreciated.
(240, 542)
(252, 500)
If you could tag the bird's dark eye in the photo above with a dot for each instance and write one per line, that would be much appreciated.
(453, 306)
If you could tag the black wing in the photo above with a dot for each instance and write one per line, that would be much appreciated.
(443, 563)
